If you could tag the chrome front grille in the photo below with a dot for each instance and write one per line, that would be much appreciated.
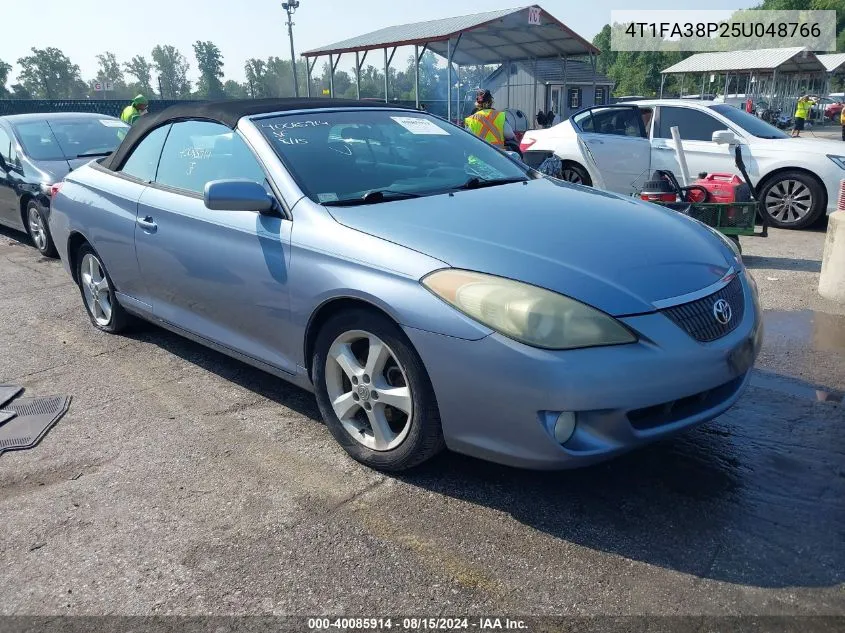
(698, 319)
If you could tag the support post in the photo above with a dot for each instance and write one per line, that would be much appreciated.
(386, 64)
(563, 96)
(331, 75)
(703, 75)
(449, 80)
(593, 67)
(417, 75)
(458, 99)
(308, 68)
(508, 102)
(357, 75)
(535, 87)
(662, 82)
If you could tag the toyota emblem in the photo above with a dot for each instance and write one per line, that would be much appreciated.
(722, 311)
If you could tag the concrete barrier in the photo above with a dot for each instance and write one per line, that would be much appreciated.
(832, 279)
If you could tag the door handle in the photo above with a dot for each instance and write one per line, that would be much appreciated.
(595, 141)
(665, 149)
(147, 224)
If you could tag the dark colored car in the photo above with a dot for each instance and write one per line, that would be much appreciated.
(39, 150)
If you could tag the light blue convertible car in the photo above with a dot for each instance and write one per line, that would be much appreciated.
(430, 289)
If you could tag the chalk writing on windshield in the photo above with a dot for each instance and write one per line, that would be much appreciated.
(290, 125)
(195, 153)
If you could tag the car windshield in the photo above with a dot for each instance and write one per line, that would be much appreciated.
(371, 156)
(749, 122)
(60, 139)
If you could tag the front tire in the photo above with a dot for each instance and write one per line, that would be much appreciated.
(97, 291)
(793, 200)
(374, 392)
(39, 230)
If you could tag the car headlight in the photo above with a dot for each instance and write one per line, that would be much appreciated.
(526, 313)
(839, 160)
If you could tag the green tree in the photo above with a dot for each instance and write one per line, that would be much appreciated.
(49, 74)
(256, 71)
(142, 70)
(210, 64)
(109, 70)
(172, 68)
(5, 69)
(234, 90)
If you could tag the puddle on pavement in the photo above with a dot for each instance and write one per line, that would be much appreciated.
(819, 330)
(809, 329)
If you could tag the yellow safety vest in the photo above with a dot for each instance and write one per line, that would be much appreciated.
(488, 125)
(842, 116)
(130, 115)
(802, 109)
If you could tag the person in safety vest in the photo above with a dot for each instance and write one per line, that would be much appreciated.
(488, 124)
(842, 122)
(802, 113)
(134, 110)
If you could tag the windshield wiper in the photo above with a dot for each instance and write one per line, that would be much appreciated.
(373, 197)
(93, 154)
(477, 183)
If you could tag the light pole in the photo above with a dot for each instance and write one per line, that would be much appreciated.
(290, 7)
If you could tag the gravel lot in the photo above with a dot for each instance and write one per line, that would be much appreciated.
(182, 482)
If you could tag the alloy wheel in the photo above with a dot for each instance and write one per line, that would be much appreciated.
(37, 230)
(96, 289)
(369, 390)
(789, 201)
(571, 175)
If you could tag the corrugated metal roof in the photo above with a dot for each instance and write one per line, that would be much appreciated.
(486, 38)
(551, 70)
(796, 59)
(832, 62)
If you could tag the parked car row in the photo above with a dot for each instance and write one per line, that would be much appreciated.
(431, 290)
(796, 179)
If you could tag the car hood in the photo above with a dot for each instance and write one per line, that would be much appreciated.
(616, 254)
(814, 146)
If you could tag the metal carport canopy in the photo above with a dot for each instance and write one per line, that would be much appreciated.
(494, 37)
(789, 60)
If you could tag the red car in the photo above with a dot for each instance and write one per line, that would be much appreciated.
(833, 110)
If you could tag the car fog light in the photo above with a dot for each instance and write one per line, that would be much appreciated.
(564, 427)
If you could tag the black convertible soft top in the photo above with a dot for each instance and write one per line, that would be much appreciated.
(227, 113)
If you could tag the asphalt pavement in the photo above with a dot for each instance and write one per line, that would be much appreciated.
(183, 482)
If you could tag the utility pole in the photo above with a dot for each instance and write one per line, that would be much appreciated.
(160, 89)
(290, 7)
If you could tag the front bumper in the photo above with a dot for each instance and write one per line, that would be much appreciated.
(496, 396)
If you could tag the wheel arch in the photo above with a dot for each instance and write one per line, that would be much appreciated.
(328, 309)
(75, 241)
(23, 204)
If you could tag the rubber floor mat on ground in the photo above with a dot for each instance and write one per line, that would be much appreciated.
(33, 418)
(8, 393)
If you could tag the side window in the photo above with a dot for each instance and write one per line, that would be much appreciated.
(692, 124)
(616, 121)
(197, 152)
(143, 161)
(6, 147)
(574, 98)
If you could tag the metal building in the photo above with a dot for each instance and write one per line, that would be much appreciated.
(560, 85)
(524, 35)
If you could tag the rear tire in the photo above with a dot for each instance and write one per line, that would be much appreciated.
(39, 230)
(574, 173)
(97, 290)
(350, 347)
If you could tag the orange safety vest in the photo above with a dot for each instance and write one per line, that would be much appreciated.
(488, 125)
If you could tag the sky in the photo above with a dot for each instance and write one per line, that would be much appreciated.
(256, 28)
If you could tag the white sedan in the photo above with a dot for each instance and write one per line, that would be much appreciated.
(617, 147)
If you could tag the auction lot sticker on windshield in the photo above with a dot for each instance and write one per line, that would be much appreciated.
(110, 123)
(417, 125)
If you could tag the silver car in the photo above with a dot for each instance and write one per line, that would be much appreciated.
(431, 290)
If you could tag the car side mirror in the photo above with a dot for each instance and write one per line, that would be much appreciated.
(724, 137)
(237, 195)
(514, 155)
